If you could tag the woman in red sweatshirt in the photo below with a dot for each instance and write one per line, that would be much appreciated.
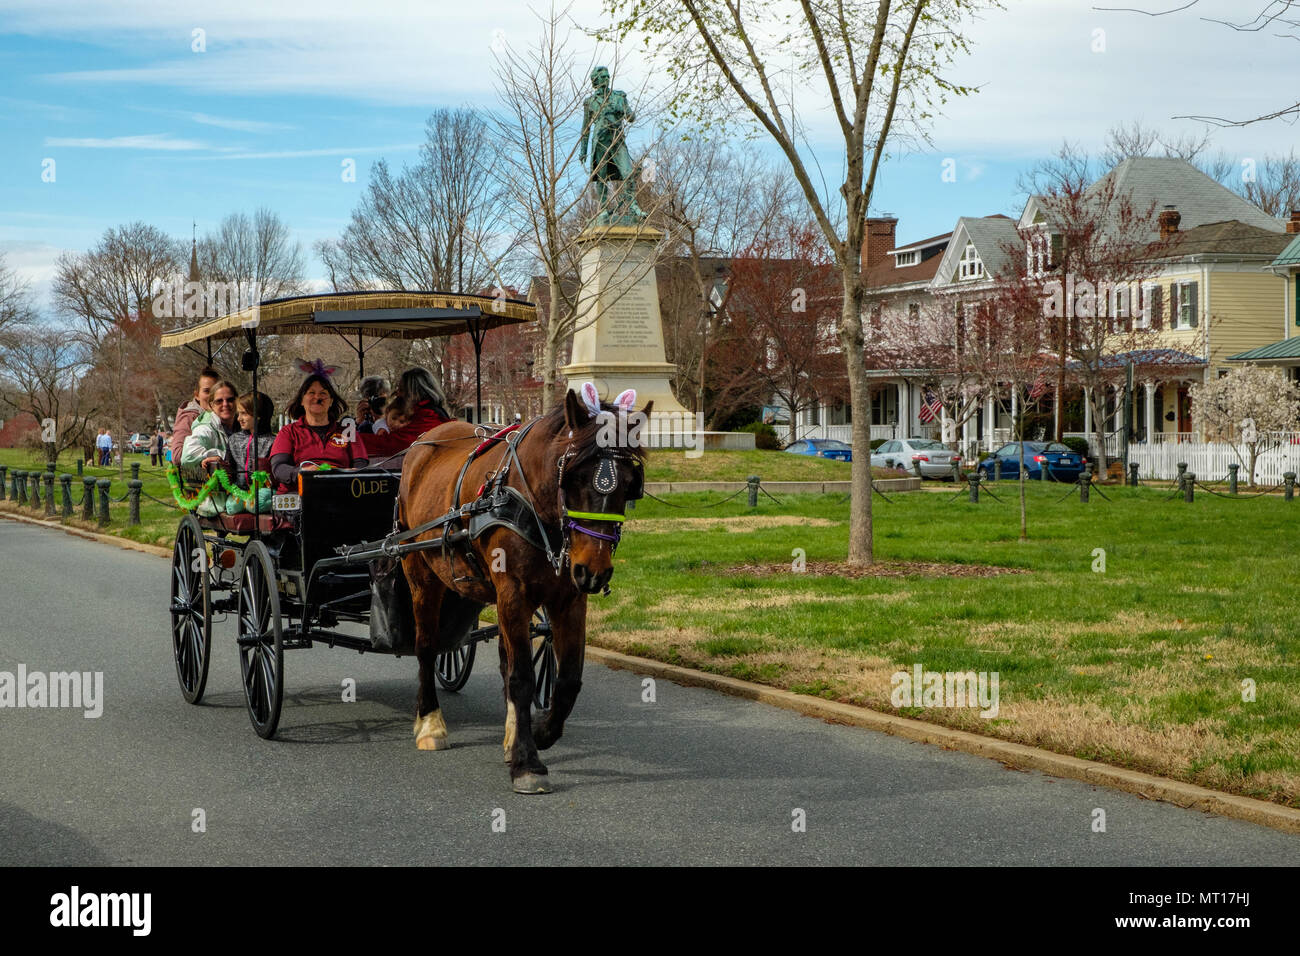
(416, 406)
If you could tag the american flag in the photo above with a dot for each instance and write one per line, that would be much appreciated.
(1038, 389)
(930, 407)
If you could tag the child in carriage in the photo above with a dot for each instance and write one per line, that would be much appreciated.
(242, 459)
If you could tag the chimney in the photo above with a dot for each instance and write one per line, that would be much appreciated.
(879, 240)
(1169, 220)
(1294, 224)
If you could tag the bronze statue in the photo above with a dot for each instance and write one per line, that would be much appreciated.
(603, 116)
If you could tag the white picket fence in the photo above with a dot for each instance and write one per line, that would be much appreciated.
(1209, 461)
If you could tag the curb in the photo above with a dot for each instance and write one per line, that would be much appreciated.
(124, 543)
(1012, 755)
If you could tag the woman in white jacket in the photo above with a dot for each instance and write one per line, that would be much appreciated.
(204, 450)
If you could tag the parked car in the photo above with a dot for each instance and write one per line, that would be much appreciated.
(139, 442)
(821, 447)
(935, 458)
(1061, 463)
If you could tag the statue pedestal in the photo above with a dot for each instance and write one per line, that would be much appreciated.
(619, 342)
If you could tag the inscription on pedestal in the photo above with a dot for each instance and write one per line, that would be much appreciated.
(627, 323)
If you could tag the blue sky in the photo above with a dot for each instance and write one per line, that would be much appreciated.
(141, 126)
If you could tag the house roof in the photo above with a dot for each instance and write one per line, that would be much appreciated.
(922, 244)
(989, 234)
(1146, 357)
(1286, 349)
(885, 274)
(1199, 199)
(1290, 256)
(1227, 238)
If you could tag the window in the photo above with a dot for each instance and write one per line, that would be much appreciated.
(813, 415)
(1186, 305)
(913, 311)
(970, 266)
(906, 259)
(1144, 310)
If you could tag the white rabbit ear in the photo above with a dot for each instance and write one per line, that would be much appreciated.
(626, 399)
(590, 398)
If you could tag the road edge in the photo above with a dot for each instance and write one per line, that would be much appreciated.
(1013, 755)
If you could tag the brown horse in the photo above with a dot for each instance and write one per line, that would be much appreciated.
(578, 469)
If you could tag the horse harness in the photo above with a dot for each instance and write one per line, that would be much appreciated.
(500, 505)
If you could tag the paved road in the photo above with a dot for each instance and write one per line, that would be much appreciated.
(696, 777)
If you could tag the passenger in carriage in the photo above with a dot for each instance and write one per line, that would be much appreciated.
(187, 414)
(416, 406)
(204, 449)
(316, 436)
(241, 461)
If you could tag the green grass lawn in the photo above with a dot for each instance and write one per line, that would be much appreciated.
(1141, 665)
(669, 465)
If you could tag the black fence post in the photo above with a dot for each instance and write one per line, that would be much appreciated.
(103, 485)
(1232, 477)
(1133, 474)
(1085, 486)
(997, 469)
(917, 466)
(974, 480)
(49, 494)
(35, 477)
(80, 465)
(88, 498)
(133, 490)
(65, 483)
(753, 481)
(135, 471)
(1189, 487)
(956, 471)
(4, 470)
(1289, 479)
(1182, 470)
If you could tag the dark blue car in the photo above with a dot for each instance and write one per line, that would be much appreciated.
(1061, 463)
(823, 447)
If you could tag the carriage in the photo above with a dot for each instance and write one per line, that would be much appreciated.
(326, 555)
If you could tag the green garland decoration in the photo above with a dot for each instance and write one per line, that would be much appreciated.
(190, 502)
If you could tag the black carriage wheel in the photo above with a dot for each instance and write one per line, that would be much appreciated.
(453, 667)
(544, 664)
(261, 646)
(191, 609)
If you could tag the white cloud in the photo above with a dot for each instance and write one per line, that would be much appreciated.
(147, 141)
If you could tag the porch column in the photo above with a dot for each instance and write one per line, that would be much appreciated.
(944, 426)
(989, 422)
(965, 435)
(1087, 414)
(1015, 411)
(1150, 411)
(904, 410)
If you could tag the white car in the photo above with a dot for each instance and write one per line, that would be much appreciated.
(935, 458)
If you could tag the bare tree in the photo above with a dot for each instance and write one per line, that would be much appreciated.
(16, 308)
(255, 252)
(1275, 184)
(41, 370)
(110, 290)
(879, 69)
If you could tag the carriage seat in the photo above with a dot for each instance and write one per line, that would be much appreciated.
(244, 523)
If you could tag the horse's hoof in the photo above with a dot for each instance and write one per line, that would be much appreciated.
(433, 743)
(530, 783)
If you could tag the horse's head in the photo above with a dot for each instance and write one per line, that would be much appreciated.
(601, 468)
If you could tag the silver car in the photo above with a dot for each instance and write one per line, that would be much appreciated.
(935, 458)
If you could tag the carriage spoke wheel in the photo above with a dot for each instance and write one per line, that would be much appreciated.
(544, 665)
(261, 647)
(452, 667)
(191, 609)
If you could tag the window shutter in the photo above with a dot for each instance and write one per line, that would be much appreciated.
(1157, 307)
(1057, 247)
(1295, 281)
(1192, 303)
(1173, 305)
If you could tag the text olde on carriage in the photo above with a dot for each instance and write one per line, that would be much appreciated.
(83, 690)
(76, 908)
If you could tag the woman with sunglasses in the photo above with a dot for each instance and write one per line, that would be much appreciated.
(205, 447)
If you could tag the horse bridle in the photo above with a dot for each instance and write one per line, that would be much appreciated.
(604, 483)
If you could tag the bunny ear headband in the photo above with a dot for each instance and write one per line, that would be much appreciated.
(625, 401)
(317, 367)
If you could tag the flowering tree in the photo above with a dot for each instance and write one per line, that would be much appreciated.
(1244, 406)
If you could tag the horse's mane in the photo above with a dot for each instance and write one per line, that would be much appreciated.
(584, 437)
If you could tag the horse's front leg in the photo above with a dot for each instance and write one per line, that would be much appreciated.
(527, 772)
(569, 638)
(426, 601)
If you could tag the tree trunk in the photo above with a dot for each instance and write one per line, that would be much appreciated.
(860, 529)
(551, 348)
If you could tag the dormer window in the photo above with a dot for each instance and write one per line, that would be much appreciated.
(907, 258)
(970, 266)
